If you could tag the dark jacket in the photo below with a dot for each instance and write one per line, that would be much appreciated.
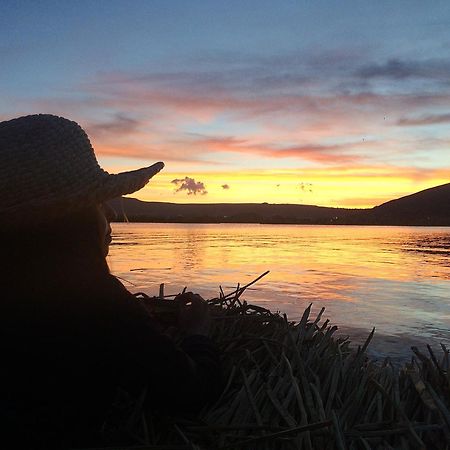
(64, 354)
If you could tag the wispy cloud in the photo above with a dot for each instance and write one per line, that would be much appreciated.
(322, 109)
(327, 154)
(398, 69)
(431, 119)
(120, 123)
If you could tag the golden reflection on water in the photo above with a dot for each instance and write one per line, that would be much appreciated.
(397, 278)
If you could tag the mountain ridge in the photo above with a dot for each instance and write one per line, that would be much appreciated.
(427, 207)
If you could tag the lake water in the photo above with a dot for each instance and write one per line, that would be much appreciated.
(394, 278)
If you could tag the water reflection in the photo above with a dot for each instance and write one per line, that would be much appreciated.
(433, 248)
(396, 278)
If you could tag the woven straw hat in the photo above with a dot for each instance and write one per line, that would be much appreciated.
(48, 168)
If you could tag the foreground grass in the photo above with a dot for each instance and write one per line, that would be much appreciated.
(293, 385)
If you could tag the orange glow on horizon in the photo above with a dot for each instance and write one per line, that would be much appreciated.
(355, 188)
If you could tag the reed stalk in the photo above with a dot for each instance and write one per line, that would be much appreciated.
(295, 385)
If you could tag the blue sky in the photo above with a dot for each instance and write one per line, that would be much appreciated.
(335, 94)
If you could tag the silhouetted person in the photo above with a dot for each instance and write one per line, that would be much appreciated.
(71, 334)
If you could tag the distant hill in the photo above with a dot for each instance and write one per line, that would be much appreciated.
(428, 207)
(137, 210)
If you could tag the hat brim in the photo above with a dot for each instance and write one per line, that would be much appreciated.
(105, 187)
(116, 185)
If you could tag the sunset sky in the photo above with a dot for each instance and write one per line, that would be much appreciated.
(335, 103)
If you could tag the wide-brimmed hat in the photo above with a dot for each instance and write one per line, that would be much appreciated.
(48, 168)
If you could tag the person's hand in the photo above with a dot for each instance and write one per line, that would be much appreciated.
(194, 317)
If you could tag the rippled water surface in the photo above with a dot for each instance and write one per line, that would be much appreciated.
(394, 278)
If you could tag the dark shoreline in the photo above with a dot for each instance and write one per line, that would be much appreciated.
(214, 222)
(430, 207)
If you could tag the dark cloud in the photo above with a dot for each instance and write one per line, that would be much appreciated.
(424, 120)
(190, 185)
(392, 69)
(239, 74)
(397, 69)
(225, 186)
(120, 123)
(275, 72)
(239, 77)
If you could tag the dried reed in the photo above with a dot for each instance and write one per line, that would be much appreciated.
(294, 385)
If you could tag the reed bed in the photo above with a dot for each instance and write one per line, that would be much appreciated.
(294, 385)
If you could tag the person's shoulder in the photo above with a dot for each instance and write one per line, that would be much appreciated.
(119, 297)
(116, 285)
(108, 290)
